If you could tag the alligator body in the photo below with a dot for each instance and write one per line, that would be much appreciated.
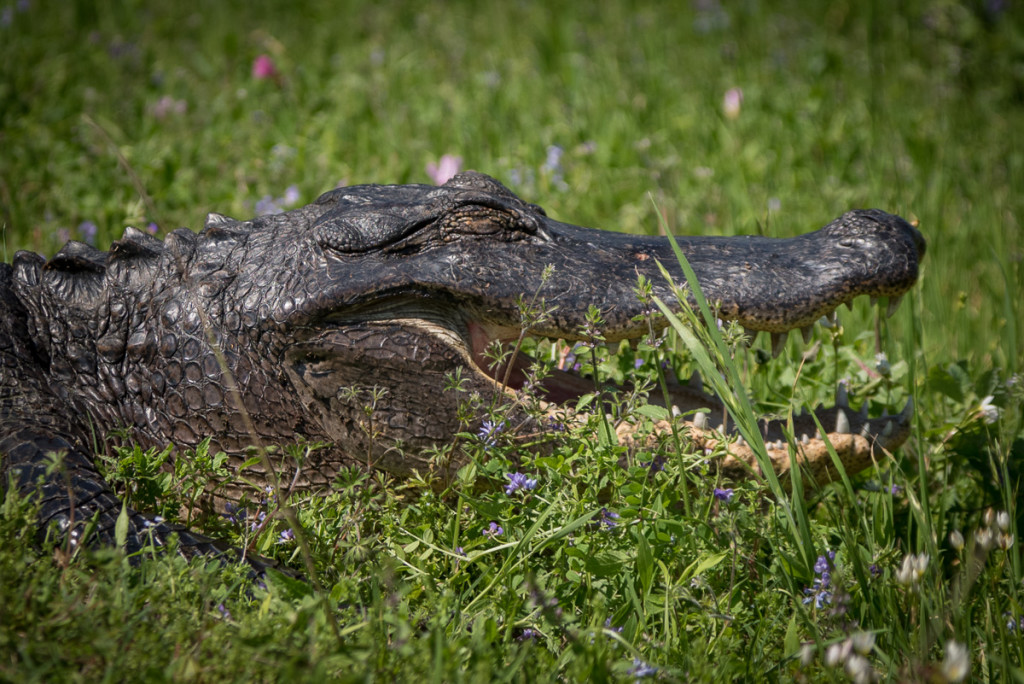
(252, 331)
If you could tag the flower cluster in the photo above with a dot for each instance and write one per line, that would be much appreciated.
(852, 655)
(820, 591)
(268, 205)
(240, 516)
(609, 519)
(519, 482)
(493, 530)
(912, 570)
(641, 669)
(996, 531)
(488, 432)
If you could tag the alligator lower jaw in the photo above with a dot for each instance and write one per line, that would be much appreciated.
(857, 440)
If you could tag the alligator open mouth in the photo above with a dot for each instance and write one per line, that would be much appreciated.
(858, 439)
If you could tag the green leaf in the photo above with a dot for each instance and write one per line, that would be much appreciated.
(606, 563)
(791, 642)
(644, 563)
(653, 412)
(121, 527)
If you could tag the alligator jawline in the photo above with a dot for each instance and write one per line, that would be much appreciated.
(857, 439)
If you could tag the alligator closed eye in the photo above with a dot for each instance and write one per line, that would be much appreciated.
(251, 331)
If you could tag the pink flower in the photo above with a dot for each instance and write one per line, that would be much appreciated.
(263, 68)
(731, 102)
(448, 166)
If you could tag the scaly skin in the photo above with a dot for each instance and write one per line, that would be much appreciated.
(250, 332)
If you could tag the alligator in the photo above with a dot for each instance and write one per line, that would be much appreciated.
(255, 332)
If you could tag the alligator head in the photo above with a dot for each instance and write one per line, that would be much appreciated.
(413, 283)
(266, 329)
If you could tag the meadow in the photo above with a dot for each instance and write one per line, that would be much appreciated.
(705, 118)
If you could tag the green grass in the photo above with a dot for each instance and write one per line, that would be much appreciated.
(918, 111)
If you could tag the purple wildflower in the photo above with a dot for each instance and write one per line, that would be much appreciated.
(224, 612)
(637, 363)
(87, 229)
(152, 228)
(609, 519)
(286, 536)
(641, 669)
(291, 196)
(263, 68)
(723, 494)
(441, 172)
(553, 162)
(528, 634)
(493, 530)
(257, 520)
(895, 489)
(6, 16)
(655, 465)
(820, 590)
(555, 425)
(608, 626)
(519, 481)
(488, 432)
(553, 166)
(267, 205)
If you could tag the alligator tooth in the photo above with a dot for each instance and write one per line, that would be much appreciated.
(740, 441)
(700, 420)
(720, 428)
(874, 300)
(750, 334)
(778, 342)
(885, 413)
(842, 397)
(804, 439)
(696, 383)
(864, 410)
(894, 303)
(779, 445)
(887, 430)
(849, 304)
(865, 430)
(907, 413)
(806, 332)
(675, 411)
(842, 422)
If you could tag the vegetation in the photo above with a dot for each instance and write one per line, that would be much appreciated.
(588, 561)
